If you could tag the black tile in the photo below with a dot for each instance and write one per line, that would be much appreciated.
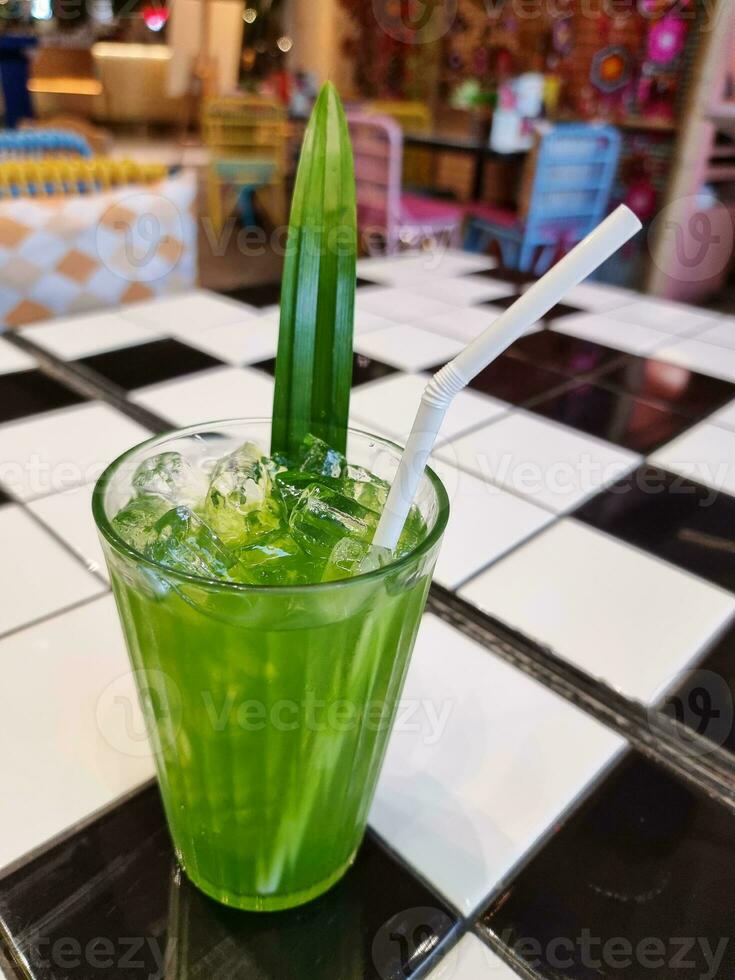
(25, 393)
(363, 369)
(561, 309)
(614, 415)
(704, 700)
(147, 364)
(117, 880)
(562, 352)
(261, 294)
(693, 394)
(507, 275)
(4, 498)
(516, 381)
(637, 885)
(683, 522)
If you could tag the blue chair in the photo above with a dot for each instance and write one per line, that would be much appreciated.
(574, 172)
(41, 143)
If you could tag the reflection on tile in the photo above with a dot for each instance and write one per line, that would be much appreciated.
(69, 515)
(550, 464)
(721, 333)
(37, 575)
(198, 307)
(53, 452)
(483, 768)
(400, 305)
(77, 745)
(633, 338)
(680, 521)
(408, 347)
(81, 336)
(471, 959)
(646, 860)
(147, 364)
(484, 523)
(117, 879)
(699, 356)
(705, 454)
(615, 416)
(389, 407)
(224, 393)
(26, 393)
(618, 614)
(560, 352)
(674, 318)
(685, 390)
(516, 381)
(13, 359)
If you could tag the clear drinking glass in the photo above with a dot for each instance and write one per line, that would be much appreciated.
(268, 707)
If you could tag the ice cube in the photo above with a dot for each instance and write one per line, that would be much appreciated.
(318, 457)
(275, 559)
(239, 500)
(170, 476)
(350, 557)
(136, 520)
(371, 492)
(322, 516)
(185, 543)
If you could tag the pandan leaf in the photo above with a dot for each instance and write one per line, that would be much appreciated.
(314, 362)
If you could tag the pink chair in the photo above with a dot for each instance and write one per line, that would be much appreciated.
(387, 218)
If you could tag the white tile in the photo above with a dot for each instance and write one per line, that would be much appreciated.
(399, 305)
(222, 393)
(368, 322)
(63, 449)
(468, 322)
(550, 464)
(725, 416)
(70, 515)
(722, 333)
(697, 355)
(482, 766)
(84, 335)
(245, 342)
(631, 337)
(408, 347)
(467, 291)
(621, 615)
(67, 708)
(675, 318)
(484, 523)
(471, 959)
(37, 575)
(388, 407)
(599, 296)
(196, 308)
(414, 267)
(13, 359)
(705, 453)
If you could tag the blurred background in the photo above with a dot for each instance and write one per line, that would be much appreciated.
(505, 126)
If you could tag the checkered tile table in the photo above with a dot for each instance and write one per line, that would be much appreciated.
(557, 799)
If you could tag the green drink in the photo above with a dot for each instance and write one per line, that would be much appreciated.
(268, 676)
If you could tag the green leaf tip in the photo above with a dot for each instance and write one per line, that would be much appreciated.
(314, 361)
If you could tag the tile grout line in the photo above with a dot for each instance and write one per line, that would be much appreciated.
(667, 742)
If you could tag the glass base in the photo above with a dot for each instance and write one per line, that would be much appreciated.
(269, 903)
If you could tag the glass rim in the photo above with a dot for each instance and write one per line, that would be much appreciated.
(118, 543)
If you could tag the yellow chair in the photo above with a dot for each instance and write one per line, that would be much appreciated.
(247, 136)
(414, 118)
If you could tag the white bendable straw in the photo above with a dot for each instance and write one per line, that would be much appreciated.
(584, 258)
